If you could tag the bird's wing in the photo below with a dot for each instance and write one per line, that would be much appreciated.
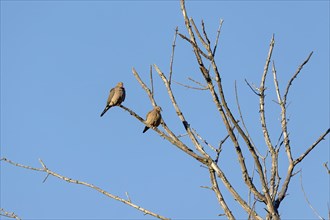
(111, 94)
(158, 119)
(149, 117)
(123, 95)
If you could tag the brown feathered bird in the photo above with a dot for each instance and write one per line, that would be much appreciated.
(116, 97)
(153, 118)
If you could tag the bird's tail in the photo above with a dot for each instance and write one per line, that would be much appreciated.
(105, 110)
(145, 129)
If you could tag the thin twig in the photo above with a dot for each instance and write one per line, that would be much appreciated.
(277, 88)
(306, 198)
(295, 76)
(172, 56)
(182, 135)
(152, 83)
(194, 44)
(190, 87)
(145, 87)
(208, 47)
(241, 115)
(253, 89)
(253, 207)
(198, 33)
(217, 38)
(128, 198)
(311, 147)
(198, 83)
(220, 147)
(202, 139)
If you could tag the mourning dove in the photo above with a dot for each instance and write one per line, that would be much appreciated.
(116, 97)
(153, 118)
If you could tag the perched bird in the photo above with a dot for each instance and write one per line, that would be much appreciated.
(153, 118)
(116, 97)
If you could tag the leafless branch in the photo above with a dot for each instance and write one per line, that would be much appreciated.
(295, 76)
(306, 198)
(217, 38)
(220, 148)
(277, 89)
(253, 89)
(265, 131)
(172, 56)
(219, 195)
(182, 135)
(291, 166)
(203, 140)
(208, 45)
(311, 147)
(193, 43)
(262, 100)
(152, 83)
(253, 207)
(190, 87)
(145, 87)
(241, 115)
(128, 198)
(197, 32)
(172, 138)
(180, 114)
(283, 109)
(70, 180)
(8, 214)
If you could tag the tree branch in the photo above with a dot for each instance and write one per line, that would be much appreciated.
(306, 198)
(172, 56)
(70, 180)
(217, 37)
(8, 214)
(172, 138)
(181, 116)
(220, 198)
(145, 87)
(285, 185)
(321, 138)
(294, 77)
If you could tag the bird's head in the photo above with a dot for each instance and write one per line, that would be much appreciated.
(120, 84)
(158, 108)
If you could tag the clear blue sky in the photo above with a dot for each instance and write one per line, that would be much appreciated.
(60, 58)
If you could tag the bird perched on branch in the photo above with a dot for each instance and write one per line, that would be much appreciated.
(116, 97)
(153, 118)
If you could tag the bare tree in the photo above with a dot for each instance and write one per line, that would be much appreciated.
(265, 186)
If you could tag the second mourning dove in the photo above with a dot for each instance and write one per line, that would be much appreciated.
(153, 118)
(116, 97)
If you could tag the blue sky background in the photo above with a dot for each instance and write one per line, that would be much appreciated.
(60, 58)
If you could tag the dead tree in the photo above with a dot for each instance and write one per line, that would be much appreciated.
(267, 189)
